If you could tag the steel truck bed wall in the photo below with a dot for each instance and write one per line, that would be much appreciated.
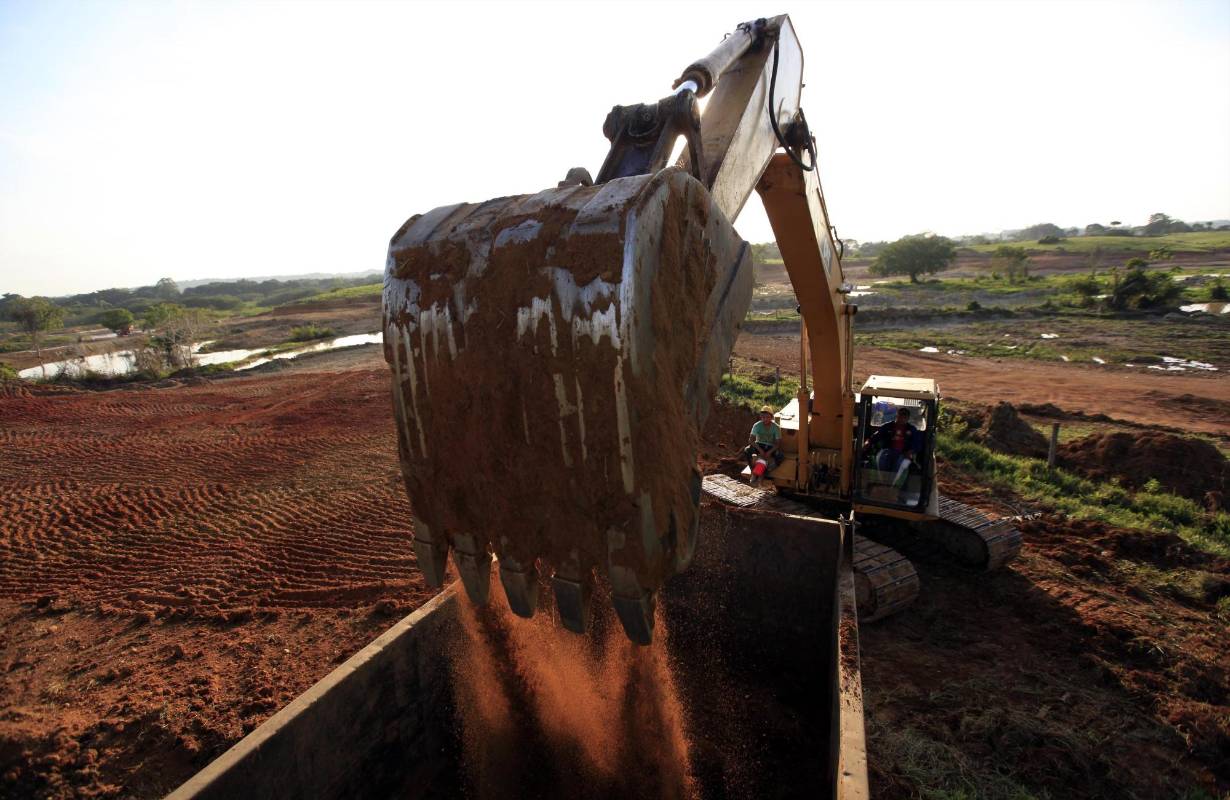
(762, 639)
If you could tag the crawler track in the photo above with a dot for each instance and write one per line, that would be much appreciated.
(976, 540)
(885, 581)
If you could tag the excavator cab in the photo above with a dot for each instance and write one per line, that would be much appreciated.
(895, 465)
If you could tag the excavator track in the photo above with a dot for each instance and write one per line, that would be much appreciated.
(885, 581)
(976, 540)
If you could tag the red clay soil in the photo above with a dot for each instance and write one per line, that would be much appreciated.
(1190, 467)
(178, 563)
(1064, 675)
(1002, 429)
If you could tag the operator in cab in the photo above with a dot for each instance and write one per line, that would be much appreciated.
(897, 440)
(765, 439)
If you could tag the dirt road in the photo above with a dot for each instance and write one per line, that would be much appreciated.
(1191, 401)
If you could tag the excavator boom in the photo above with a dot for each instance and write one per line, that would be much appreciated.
(554, 355)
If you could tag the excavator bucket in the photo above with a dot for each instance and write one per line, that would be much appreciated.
(554, 356)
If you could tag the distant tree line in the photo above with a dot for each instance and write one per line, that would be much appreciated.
(104, 307)
(1159, 224)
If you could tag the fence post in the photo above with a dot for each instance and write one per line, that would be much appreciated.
(1050, 456)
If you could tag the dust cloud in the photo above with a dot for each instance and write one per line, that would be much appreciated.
(545, 712)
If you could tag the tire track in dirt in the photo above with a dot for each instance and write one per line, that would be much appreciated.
(217, 500)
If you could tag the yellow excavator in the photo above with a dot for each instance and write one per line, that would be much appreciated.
(554, 357)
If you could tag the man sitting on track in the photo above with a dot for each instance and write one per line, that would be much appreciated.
(764, 440)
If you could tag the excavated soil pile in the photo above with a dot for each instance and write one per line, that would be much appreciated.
(176, 564)
(1189, 467)
(1002, 429)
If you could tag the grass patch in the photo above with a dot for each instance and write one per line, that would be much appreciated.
(1117, 340)
(939, 770)
(310, 332)
(366, 290)
(1145, 509)
(1194, 242)
(741, 390)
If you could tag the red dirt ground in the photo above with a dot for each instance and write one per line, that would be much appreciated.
(178, 563)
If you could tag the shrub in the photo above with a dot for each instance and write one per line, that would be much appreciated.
(1139, 289)
(306, 333)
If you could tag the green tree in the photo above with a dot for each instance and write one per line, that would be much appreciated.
(176, 330)
(35, 315)
(117, 319)
(1012, 261)
(1219, 292)
(166, 288)
(1095, 229)
(1160, 224)
(1039, 231)
(765, 252)
(157, 315)
(914, 256)
(1139, 288)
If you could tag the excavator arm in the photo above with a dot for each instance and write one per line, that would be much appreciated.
(818, 423)
(555, 355)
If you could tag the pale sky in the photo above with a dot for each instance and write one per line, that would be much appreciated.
(148, 139)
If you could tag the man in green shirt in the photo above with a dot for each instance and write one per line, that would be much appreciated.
(764, 440)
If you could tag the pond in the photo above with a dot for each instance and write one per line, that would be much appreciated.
(122, 362)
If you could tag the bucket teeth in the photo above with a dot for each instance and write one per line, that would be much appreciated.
(520, 586)
(474, 563)
(431, 553)
(572, 597)
(633, 604)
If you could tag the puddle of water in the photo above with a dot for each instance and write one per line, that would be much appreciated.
(928, 349)
(1097, 360)
(122, 362)
(1050, 336)
(1206, 308)
(1065, 358)
(318, 347)
(859, 293)
(955, 352)
(1172, 364)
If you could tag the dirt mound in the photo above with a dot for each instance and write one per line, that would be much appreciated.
(1002, 429)
(1190, 467)
(1053, 411)
(1189, 404)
